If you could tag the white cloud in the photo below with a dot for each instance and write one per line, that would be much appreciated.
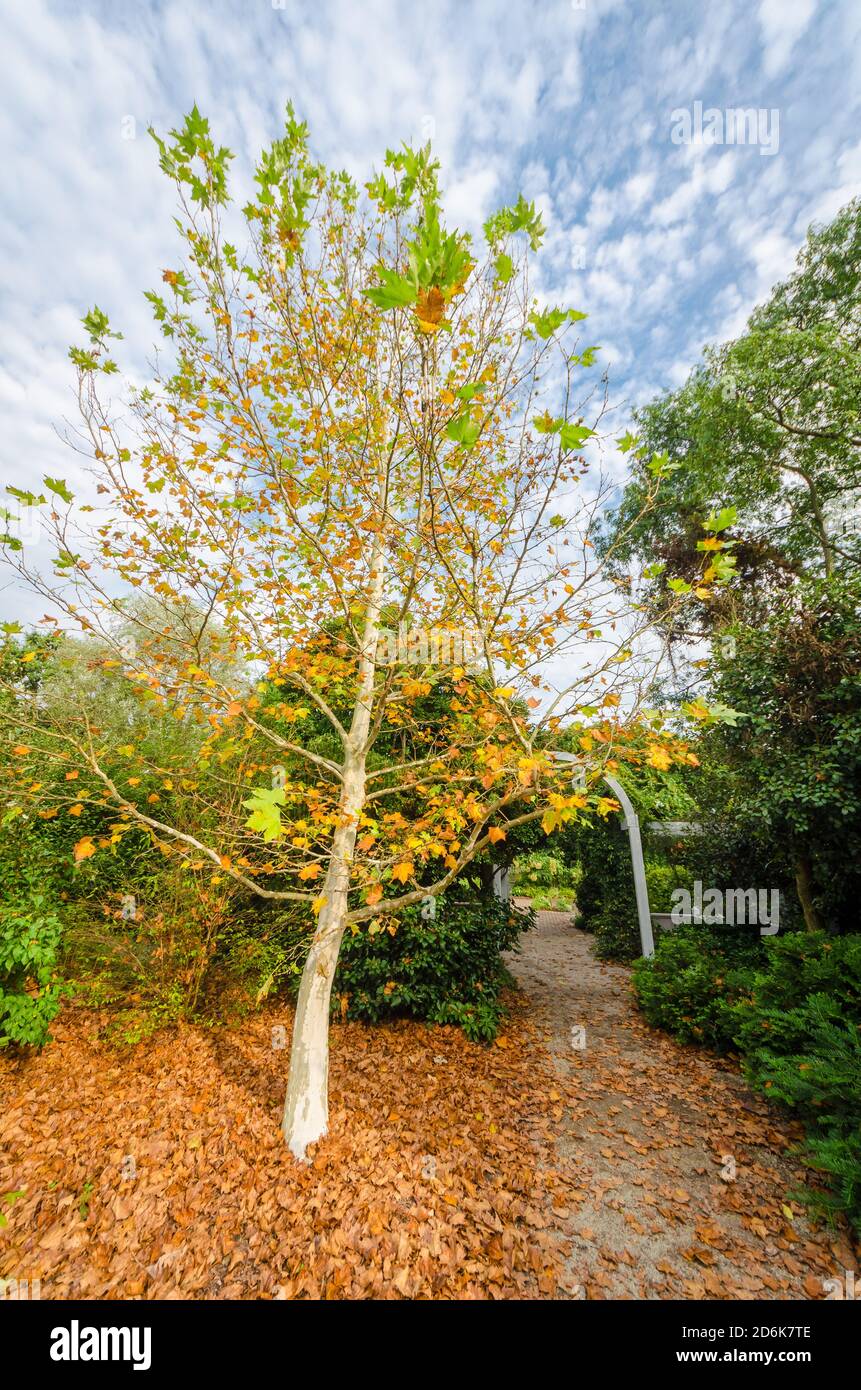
(782, 23)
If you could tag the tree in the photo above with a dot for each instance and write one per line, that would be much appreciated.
(794, 761)
(768, 423)
(345, 484)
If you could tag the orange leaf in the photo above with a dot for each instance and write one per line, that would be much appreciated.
(375, 892)
(403, 871)
(309, 871)
(495, 834)
(429, 309)
(84, 849)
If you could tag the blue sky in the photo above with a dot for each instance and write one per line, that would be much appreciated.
(667, 246)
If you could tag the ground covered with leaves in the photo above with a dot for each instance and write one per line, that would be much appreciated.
(437, 1179)
(527, 1169)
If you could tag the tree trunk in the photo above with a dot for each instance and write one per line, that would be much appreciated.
(804, 888)
(306, 1109)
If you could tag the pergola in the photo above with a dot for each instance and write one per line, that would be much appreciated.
(632, 825)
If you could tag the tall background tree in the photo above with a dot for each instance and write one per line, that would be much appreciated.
(767, 433)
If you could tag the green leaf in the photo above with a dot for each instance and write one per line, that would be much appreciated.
(394, 293)
(574, 436)
(659, 465)
(58, 486)
(466, 393)
(522, 217)
(546, 323)
(587, 357)
(30, 499)
(719, 521)
(504, 267)
(265, 816)
(463, 430)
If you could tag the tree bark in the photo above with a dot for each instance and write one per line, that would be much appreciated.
(804, 888)
(306, 1108)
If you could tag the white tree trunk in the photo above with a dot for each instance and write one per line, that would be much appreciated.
(306, 1109)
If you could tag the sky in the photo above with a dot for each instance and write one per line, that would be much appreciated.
(666, 236)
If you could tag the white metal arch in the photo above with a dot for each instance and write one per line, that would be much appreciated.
(632, 825)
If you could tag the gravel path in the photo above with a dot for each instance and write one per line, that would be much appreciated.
(680, 1173)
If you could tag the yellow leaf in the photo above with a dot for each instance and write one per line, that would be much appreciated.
(659, 758)
(76, 809)
(403, 871)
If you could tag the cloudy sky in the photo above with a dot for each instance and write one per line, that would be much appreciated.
(667, 243)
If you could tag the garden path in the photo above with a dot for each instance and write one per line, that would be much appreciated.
(677, 1173)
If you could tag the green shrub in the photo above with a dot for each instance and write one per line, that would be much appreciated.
(792, 1006)
(661, 880)
(264, 948)
(695, 973)
(29, 983)
(800, 1030)
(446, 969)
(546, 879)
